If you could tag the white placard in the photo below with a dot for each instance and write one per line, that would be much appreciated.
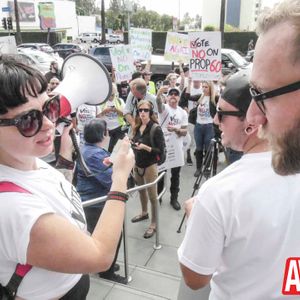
(122, 61)
(175, 155)
(141, 43)
(177, 47)
(205, 55)
(8, 45)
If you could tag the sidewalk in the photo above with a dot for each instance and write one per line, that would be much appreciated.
(155, 273)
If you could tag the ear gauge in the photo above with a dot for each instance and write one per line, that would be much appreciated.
(248, 130)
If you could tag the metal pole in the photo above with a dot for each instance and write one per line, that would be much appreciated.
(222, 21)
(18, 30)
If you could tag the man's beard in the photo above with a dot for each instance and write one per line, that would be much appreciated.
(285, 150)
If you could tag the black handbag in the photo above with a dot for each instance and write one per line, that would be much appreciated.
(193, 115)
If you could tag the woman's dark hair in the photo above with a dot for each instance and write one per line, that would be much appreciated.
(94, 131)
(17, 81)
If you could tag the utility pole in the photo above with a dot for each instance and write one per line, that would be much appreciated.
(103, 35)
(222, 21)
(18, 30)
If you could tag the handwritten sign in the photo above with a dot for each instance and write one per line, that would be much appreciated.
(177, 47)
(175, 154)
(205, 55)
(8, 45)
(141, 43)
(122, 61)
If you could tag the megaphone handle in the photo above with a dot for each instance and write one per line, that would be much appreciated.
(81, 161)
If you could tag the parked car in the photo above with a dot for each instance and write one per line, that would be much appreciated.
(115, 38)
(89, 37)
(66, 49)
(38, 46)
(231, 63)
(38, 59)
(102, 54)
(250, 55)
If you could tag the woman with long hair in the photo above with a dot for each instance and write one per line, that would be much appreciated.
(146, 150)
(204, 128)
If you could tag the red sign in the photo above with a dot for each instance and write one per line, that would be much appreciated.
(291, 281)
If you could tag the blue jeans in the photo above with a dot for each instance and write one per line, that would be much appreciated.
(203, 134)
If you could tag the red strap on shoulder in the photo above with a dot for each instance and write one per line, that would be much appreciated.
(22, 270)
(6, 186)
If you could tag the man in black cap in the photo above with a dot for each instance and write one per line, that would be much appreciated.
(174, 120)
(238, 234)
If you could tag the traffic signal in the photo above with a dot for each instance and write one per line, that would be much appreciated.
(9, 23)
(4, 24)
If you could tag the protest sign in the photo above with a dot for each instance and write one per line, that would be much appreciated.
(8, 45)
(175, 155)
(141, 43)
(205, 55)
(122, 61)
(177, 47)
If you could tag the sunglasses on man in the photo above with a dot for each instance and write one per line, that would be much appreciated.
(221, 113)
(173, 94)
(29, 123)
(260, 97)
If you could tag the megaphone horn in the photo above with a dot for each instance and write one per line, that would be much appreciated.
(85, 80)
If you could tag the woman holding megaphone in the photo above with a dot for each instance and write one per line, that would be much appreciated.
(42, 220)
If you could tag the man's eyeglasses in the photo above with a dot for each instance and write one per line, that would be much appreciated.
(221, 113)
(146, 110)
(29, 123)
(259, 97)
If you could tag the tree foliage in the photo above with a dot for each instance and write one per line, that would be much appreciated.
(85, 7)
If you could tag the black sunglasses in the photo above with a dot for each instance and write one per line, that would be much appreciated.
(259, 97)
(221, 113)
(29, 123)
(173, 94)
(146, 110)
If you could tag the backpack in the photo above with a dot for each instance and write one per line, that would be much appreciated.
(160, 158)
(10, 290)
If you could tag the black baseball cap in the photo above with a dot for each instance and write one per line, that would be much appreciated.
(236, 91)
(173, 90)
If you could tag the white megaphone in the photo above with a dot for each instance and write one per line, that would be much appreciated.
(85, 80)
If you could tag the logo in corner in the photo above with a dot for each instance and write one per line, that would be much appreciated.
(291, 280)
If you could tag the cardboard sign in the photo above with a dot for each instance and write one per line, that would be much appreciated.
(8, 45)
(177, 47)
(122, 61)
(141, 43)
(175, 155)
(205, 55)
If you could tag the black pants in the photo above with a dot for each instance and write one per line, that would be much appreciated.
(92, 215)
(80, 289)
(175, 182)
(115, 135)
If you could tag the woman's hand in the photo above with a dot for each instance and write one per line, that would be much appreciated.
(66, 145)
(123, 163)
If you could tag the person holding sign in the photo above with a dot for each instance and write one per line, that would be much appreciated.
(204, 128)
(175, 122)
(146, 149)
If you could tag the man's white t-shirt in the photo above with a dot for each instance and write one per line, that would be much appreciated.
(112, 118)
(84, 114)
(50, 192)
(243, 226)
